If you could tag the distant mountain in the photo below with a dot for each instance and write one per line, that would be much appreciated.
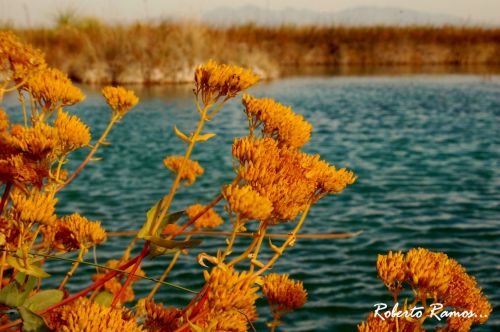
(357, 16)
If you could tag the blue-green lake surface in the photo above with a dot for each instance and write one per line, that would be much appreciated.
(426, 150)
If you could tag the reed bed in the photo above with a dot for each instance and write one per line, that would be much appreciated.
(167, 52)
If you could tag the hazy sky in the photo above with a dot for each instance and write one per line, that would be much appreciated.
(36, 12)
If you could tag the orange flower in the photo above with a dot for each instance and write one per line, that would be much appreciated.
(215, 80)
(278, 121)
(391, 268)
(284, 293)
(209, 219)
(190, 168)
(36, 207)
(72, 132)
(230, 301)
(53, 89)
(247, 203)
(119, 99)
(35, 142)
(159, 318)
(83, 315)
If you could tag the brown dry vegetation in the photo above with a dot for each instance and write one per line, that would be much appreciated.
(93, 52)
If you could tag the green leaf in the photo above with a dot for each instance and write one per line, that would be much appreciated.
(155, 251)
(43, 299)
(31, 321)
(169, 219)
(164, 247)
(205, 137)
(26, 285)
(150, 218)
(30, 269)
(181, 135)
(9, 295)
(172, 244)
(104, 298)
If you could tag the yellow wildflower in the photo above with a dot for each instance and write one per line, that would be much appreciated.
(428, 271)
(83, 315)
(436, 276)
(284, 293)
(458, 324)
(190, 168)
(53, 89)
(159, 318)
(376, 324)
(21, 60)
(36, 142)
(72, 132)
(209, 219)
(119, 99)
(229, 303)
(464, 294)
(278, 121)
(73, 232)
(215, 80)
(21, 171)
(36, 207)
(289, 178)
(86, 233)
(391, 268)
(247, 203)
(171, 229)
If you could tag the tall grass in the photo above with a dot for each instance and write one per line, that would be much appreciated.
(92, 51)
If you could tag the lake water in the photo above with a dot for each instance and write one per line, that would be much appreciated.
(425, 147)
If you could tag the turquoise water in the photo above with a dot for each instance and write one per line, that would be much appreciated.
(426, 149)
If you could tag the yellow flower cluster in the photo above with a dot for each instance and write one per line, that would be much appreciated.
(36, 142)
(72, 132)
(428, 271)
(433, 275)
(284, 293)
(229, 304)
(215, 80)
(119, 99)
(83, 315)
(37, 207)
(73, 232)
(289, 178)
(159, 318)
(27, 153)
(375, 324)
(53, 89)
(190, 168)
(391, 269)
(171, 229)
(247, 203)
(209, 219)
(278, 121)
(20, 59)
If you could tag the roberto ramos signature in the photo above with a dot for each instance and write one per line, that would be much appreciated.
(435, 310)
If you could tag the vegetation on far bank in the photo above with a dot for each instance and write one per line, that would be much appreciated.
(167, 52)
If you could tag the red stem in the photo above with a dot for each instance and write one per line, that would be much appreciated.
(202, 212)
(144, 252)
